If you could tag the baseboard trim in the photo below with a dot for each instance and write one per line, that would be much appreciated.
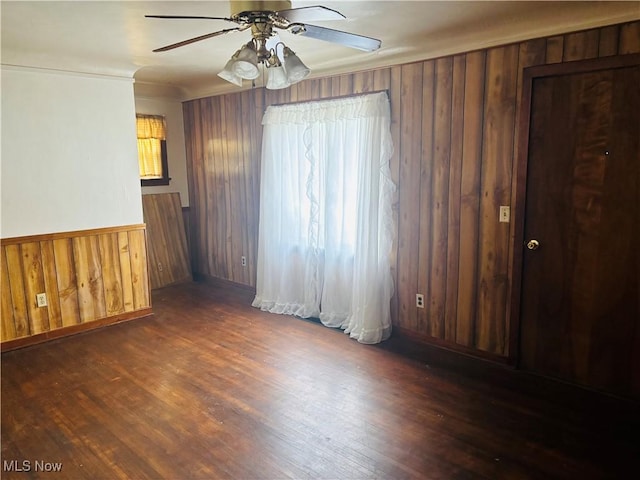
(221, 282)
(73, 330)
(447, 348)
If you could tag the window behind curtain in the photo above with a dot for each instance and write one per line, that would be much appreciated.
(326, 222)
(152, 149)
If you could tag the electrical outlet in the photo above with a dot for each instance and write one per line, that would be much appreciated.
(243, 261)
(505, 214)
(41, 300)
(160, 267)
(419, 300)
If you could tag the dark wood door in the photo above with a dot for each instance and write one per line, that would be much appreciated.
(580, 301)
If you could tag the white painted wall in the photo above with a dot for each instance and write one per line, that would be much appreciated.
(69, 152)
(176, 157)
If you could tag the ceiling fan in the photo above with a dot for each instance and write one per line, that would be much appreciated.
(264, 18)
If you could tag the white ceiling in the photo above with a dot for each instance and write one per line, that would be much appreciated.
(114, 37)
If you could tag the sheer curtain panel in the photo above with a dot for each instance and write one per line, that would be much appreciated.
(326, 225)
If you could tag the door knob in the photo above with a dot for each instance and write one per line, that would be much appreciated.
(533, 244)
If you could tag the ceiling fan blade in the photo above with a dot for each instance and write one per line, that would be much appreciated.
(188, 17)
(196, 39)
(310, 14)
(352, 40)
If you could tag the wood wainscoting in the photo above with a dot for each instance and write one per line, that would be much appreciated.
(91, 278)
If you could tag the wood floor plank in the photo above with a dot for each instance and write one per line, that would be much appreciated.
(210, 387)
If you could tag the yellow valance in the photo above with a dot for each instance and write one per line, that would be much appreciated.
(151, 126)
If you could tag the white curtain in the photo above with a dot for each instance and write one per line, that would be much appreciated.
(326, 225)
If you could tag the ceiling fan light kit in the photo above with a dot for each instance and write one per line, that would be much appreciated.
(277, 78)
(287, 69)
(293, 66)
(243, 65)
(246, 63)
(229, 74)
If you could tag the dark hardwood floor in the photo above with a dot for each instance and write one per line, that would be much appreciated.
(211, 388)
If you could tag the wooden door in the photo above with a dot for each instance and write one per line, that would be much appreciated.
(580, 307)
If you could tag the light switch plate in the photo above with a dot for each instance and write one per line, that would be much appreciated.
(505, 214)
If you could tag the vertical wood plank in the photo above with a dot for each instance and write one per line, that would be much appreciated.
(357, 83)
(139, 274)
(199, 163)
(608, 42)
(305, 90)
(86, 253)
(198, 204)
(227, 123)
(439, 187)
(454, 200)
(189, 127)
(125, 271)
(248, 216)
(532, 52)
(217, 196)
(325, 87)
(256, 135)
(315, 89)
(336, 86)
(424, 196)
(177, 246)
(187, 120)
(34, 284)
(629, 38)
(157, 255)
(168, 257)
(193, 180)
(51, 284)
(408, 217)
(283, 96)
(67, 281)
(555, 48)
(111, 273)
(8, 326)
(382, 80)
(18, 298)
(346, 85)
(213, 194)
(470, 197)
(293, 93)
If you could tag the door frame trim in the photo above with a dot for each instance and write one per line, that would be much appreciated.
(520, 174)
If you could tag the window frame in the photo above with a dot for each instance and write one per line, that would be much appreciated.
(166, 179)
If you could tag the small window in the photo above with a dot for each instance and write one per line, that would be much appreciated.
(152, 150)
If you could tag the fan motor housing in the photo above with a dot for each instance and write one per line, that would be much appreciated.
(258, 6)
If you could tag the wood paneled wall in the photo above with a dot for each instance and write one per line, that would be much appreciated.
(169, 261)
(454, 130)
(87, 276)
(223, 137)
